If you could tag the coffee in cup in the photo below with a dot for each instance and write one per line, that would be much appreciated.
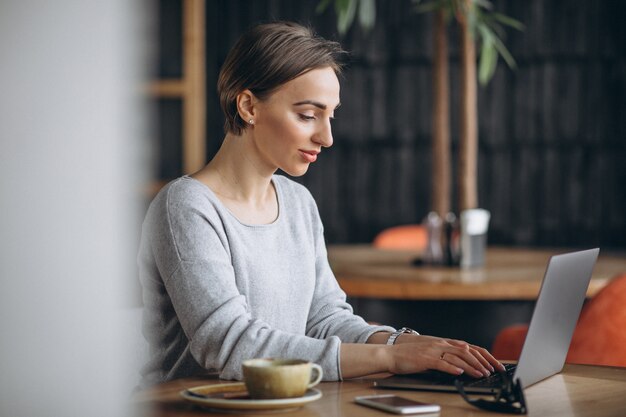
(280, 378)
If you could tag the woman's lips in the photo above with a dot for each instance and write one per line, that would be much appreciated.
(309, 156)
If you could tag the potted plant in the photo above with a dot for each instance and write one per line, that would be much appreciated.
(479, 25)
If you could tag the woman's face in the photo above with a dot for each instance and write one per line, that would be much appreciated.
(293, 125)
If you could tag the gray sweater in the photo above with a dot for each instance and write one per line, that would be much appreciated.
(217, 292)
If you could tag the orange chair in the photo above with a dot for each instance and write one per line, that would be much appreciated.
(406, 237)
(599, 337)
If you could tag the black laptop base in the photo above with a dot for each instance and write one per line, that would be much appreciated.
(443, 382)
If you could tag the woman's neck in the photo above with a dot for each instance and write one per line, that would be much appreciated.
(237, 173)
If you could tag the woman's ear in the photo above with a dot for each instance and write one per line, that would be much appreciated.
(246, 102)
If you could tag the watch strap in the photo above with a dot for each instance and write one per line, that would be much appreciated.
(397, 333)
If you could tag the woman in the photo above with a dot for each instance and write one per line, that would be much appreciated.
(233, 262)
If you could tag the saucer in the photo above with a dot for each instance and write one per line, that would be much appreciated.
(233, 396)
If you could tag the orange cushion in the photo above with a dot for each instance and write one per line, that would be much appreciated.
(600, 335)
(508, 343)
(408, 237)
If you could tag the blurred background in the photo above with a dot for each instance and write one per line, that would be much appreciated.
(552, 154)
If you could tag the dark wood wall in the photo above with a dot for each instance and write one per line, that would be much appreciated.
(552, 157)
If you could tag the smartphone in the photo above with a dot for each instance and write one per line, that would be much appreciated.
(395, 404)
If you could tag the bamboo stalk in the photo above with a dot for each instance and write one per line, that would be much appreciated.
(468, 147)
(441, 168)
(194, 141)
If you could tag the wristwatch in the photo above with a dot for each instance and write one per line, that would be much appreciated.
(397, 333)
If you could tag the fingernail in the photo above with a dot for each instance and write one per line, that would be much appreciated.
(478, 373)
(486, 373)
(459, 371)
(491, 367)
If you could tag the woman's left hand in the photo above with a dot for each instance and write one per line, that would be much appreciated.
(482, 355)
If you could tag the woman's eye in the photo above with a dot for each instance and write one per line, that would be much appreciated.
(306, 117)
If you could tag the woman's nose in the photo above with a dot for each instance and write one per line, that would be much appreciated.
(325, 135)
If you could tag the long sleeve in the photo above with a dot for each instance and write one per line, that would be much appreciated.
(217, 292)
(330, 314)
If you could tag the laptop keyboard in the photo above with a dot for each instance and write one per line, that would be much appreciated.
(442, 378)
(493, 380)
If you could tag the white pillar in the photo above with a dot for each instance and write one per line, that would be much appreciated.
(71, 157)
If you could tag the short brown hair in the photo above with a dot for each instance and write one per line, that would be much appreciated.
(266, 57)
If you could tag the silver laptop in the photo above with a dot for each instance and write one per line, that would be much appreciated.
(549, 335)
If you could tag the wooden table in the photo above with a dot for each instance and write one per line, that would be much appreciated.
(580, 390)
(508, 274)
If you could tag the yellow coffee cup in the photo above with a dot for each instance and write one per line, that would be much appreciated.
(280, 378)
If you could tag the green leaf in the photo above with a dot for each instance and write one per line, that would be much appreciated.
(323, 5)
(367, 14)
(488, 55)
(485, 4)
(506, 55)
(341, 6)
(485, 33)
(508, 21)
(487, 64)
(427, 7)
(346, 10)
(496, 27)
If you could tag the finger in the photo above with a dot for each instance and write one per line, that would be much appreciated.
(445, 366)
(458, 343)
(490, 358)
(468, 357)
(458, 362)
(478, 354)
